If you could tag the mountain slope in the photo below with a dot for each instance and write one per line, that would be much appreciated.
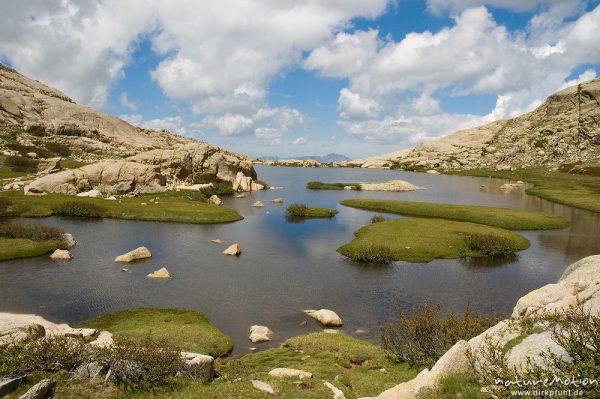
(565, 129)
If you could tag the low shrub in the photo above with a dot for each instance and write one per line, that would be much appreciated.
(219, 188)
(297, 210)
(25, 149)
(143, 362)
(37, 130)
(371, 254)
(378, 218)
(58, 149)
(423, 338)
(78, 209)
(21, 164)
(317, 185)
(51, 353)
(34, 232)
(5, 203)
(70, 131)
(489, 245)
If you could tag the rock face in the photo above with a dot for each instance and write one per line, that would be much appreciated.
(197, 163)
(326, 317)
(136, 254)
(111, 177)
(565, 129)
(260, 334)
(579, 283)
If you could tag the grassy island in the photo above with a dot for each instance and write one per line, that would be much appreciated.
(572, 184)
(512, 219)
(421, 240)
(188, 329)
(24, 241)
(317, 185)
(170, 206)
(303, 211)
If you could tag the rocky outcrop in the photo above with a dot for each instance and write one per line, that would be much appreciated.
(196, 163)
(579, 284)
(110, 177)
(392, 185)
(41, 390)
(565, 129)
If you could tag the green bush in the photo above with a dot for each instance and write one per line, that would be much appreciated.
(37, 131)
(317, 185)
(21, 164)
(5, 203)
(372, 253)
(58, 149)
(297, 210)
(25, 149)
(34, 232)
(378, 218)
(423, 338)
(489, 245)
(70, 131)
(219, 188)
(51, 353)
(78, 209)
(143, 362)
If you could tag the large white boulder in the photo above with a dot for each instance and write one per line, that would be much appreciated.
(290, 373)
(260, 334)
(233, 250)
(326, 317)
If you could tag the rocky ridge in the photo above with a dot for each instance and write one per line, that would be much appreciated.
(565, 129)
(131, 158)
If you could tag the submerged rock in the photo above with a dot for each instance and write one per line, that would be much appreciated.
(61, 254)
(277, 200)
(258, 204)
(233, 250)
(161, 273)
(136, 254)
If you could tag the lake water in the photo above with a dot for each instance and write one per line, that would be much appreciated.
(286, 267)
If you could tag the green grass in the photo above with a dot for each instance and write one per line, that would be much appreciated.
(457, 386)
(421, 240)
(317, 185)
(355, 363)
(512, 219)
(172, 206)
(187, 329)
(321, 212)
(576, 190)
(6, 172)
(13, 248)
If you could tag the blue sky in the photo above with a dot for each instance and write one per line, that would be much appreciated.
(361, 77)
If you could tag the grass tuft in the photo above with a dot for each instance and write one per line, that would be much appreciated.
(78, 209)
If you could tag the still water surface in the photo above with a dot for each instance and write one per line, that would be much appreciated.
(286, 267)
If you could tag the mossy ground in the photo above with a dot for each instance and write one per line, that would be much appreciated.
(512, 219)
(352, 365)
(13, 248)
(191, 331)
(171, 206)
(421, 240)
(576, 190)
